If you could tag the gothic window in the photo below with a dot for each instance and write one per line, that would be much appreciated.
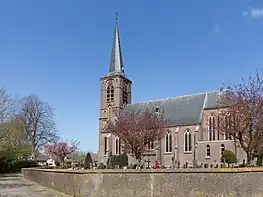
(208, 151)
(125, 94)
(117, 146)
(110, 93)
(105, 145)
(228, 127)
(211, 128)
(187, 140)
(168, 142)
(222, 148)
(150, 145)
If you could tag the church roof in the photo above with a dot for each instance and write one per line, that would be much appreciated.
(181, 110)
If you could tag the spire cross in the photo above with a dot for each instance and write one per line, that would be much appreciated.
(116, 16)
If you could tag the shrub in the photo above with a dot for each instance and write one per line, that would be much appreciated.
(123, 160)
(3, 165)
(229, 157)
(259, 161)
(87, 161)
(114, 160)
(101, 166)
(57, 163)
(109, 161)
(242, 165)
(11, 166)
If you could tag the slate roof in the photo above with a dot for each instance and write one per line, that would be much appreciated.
(181, 110)
(116, 62)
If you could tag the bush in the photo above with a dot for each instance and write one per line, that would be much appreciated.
(242, 165)
(101, 166)
(57, 163)
(259, 161)
(117, 160)
(109, 161)
(229, 157)
(123, 160)
(3, 165)
(11, 166)
(88, 161)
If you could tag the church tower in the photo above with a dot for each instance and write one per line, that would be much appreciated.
(115, 94)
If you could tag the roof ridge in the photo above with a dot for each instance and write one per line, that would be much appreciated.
(176, 97)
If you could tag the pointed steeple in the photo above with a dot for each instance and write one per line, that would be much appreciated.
(116, 63)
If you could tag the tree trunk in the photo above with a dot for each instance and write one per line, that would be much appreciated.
(63, 162)
(249, 157)
(33, 156)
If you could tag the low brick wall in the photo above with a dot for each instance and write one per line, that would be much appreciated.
(152, 183)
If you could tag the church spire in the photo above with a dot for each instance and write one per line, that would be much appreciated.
(116, 64)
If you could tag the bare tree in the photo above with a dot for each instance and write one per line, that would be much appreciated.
(13, 136)
(137, 129)
(6, 106)
(6, 111)
(241, 114)
(37, 119)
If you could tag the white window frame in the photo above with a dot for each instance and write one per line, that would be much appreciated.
(188, 133)
(170, 142)
(213, 134)
(117, 151)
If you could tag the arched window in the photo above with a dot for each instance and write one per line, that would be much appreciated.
(151, 145)
(211, 128)
(105, 145)
(222, 148)
(187, 140)
(125, 94)
(117, 146)
(228, 124)
(168, 142)
(208, 151)
(110, 93)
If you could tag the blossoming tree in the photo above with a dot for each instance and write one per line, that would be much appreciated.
(139, 129)
(61, 149)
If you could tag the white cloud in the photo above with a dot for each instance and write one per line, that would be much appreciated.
(216, 28)
(254, 12)
(257, 12)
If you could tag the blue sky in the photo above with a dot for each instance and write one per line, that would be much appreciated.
(60, 49)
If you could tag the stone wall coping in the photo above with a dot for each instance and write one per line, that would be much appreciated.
(136, 171)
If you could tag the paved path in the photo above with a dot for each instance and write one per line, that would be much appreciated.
(12, 185)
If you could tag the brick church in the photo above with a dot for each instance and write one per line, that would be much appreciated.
(192, 134)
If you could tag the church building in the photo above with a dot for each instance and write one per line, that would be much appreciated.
(192, 135)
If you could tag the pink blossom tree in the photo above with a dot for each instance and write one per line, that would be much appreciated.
(61, 149)
(139, 129)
